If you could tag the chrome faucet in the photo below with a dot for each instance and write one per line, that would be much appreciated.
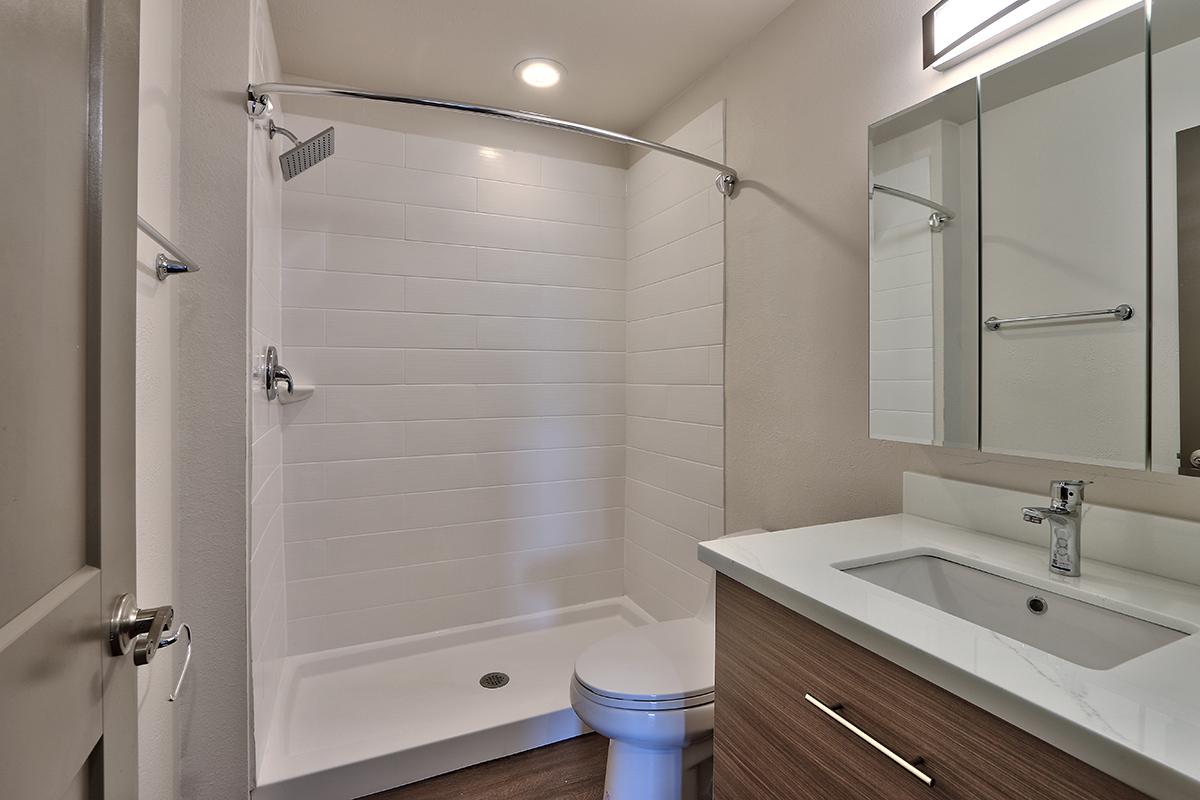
(1066, 518)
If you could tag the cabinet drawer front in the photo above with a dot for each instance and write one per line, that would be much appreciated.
(770, 742)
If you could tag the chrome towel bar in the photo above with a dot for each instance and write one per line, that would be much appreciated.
(165, 267)
(1121, 312)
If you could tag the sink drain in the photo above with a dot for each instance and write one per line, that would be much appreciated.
(1037, 605)
(493, 680)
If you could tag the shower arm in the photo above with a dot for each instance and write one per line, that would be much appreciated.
(274, 129)
(259, 106)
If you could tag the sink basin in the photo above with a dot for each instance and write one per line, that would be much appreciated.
(1083, 633)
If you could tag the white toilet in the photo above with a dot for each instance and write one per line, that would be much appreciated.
(650, 691)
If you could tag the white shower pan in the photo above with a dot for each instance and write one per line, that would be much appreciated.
(358, 720)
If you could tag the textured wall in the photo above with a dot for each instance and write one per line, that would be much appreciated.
(461, 311)
(799, 98)
(675, 280)
(158, 201)
(212, 424)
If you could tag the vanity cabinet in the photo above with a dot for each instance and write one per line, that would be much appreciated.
(771, 741)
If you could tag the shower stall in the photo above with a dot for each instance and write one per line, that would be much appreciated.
(500, 435)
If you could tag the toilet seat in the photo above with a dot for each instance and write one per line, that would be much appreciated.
(654, 667)
(643, 705)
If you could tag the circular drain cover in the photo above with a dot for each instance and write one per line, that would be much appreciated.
(493, 680)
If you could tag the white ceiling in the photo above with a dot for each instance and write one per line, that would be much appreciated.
(625, 59)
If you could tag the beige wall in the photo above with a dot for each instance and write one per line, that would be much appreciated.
(799, 99)
(212, 423)
(158, 202)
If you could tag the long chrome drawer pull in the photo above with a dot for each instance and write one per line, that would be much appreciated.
(866, 737)
(1122, 312)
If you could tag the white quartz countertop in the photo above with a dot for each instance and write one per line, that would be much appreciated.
(1139, 721)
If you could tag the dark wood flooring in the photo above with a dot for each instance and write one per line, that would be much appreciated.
(570, 770)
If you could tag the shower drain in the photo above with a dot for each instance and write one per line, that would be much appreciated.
(493, 680)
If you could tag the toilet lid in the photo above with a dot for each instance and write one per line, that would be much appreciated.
(663, 661)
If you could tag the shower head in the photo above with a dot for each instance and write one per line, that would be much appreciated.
(304, 154)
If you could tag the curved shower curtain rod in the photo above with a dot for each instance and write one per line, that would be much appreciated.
(937, 220)
(258, 106)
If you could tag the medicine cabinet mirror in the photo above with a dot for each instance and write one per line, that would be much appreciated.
(923, 184)
(1175, 236)
(1022, 325)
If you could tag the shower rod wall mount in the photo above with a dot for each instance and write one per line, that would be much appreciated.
(165, 266)
(259, 106)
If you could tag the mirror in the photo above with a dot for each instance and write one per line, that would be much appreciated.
(923, 168)
(1009, 285)
(1063, 232)
(1175, 198)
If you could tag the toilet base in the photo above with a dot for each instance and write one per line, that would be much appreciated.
(644, 773)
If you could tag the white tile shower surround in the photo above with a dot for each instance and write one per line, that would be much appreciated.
(268, 615)
(674, 403)
(472, 318)
(902, 318)
(358, 720)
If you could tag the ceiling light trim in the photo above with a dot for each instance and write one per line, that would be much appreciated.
(551, 72)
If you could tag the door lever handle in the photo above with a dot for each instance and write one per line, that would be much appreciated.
(139, 629)
(171, 639)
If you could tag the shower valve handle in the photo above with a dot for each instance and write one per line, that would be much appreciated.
(282, 374)
(274, 373)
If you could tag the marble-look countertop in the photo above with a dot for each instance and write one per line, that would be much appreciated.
(1139, 721)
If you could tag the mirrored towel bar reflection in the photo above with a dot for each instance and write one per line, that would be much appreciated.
(1121, 313)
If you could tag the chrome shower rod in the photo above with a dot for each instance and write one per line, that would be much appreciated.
(165, 267)
(937, 220)
(259, 105)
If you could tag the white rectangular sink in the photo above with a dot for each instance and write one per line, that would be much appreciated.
(1083, 633)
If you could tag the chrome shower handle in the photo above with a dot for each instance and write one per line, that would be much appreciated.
(282, 374)
(274, 373)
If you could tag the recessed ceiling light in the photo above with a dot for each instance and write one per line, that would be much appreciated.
(541, 73)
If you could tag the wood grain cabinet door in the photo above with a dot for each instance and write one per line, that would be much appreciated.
(771, 742)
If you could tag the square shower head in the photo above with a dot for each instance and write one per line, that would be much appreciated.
(307, 154)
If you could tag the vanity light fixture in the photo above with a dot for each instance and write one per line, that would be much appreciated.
(954, 30)
(540, 73)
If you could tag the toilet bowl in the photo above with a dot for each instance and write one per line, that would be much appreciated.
(650, 692)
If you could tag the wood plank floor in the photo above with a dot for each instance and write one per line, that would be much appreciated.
(570, 770)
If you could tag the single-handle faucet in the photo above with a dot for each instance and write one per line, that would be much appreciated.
(1066, 518)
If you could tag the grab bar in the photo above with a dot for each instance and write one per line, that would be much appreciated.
(165, 267)
(1121, 312)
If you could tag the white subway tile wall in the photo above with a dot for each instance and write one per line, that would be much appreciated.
(675, 274)
(471, 318)
(902, 314)
(268, 602)
(461, 310)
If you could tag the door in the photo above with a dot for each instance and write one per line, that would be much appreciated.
(68, 194)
